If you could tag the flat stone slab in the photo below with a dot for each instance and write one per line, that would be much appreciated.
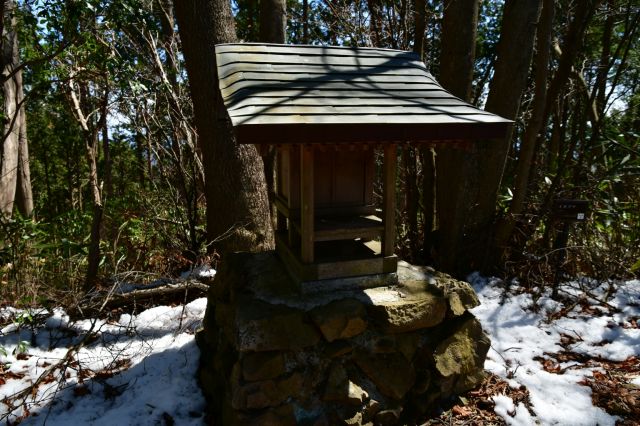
(410, 307)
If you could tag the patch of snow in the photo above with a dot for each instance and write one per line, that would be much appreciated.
(147, 365)
(204, 271)
(522, 338)
(59, 319)
(160, 383)
(8, 312)
(512, 415)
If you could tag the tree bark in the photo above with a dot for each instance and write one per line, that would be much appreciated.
(459, 28)
(453, 193)
(375, 22)
(428, 156)
(237, 203)
(305, 21)
(571, 47)
(78, 94)
(600, 88)
(514, 53)
(273, 21)
(420, 25)
(515, 50)
(411, 198)
(15, 177)
(429, 203)
(93, 259)
(9, 169)
(106, 155)
(24, 194)
(534, 126)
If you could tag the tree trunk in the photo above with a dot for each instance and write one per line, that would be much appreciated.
(429, 204)
(457, 57)
(600, 88)
(459, 27)
(82, 109)
(142, 162)
(15, 177)
(514, 53)
(167, 25)
(375, 22)
(106, 151)
(237, 204)
(411, 198)
(420, 23)
(93, 259)
(557, 136)
(91, 146)
(534, 126)
(24, 194)
(305, 21)
(571, 47)
(428, 157)
(9, 169)
(188, 171)
(273, 21)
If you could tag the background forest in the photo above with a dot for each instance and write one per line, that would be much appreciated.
(103, 173)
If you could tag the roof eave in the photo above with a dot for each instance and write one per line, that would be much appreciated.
(351, 133)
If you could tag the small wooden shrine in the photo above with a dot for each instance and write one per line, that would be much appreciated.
(326, 110)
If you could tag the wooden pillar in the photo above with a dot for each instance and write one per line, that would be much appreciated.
(389, 199)
(306, 203)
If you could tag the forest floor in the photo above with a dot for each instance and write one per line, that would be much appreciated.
(570, 362)
(574, 361)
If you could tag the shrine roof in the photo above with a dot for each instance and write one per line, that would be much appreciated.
(324, 94)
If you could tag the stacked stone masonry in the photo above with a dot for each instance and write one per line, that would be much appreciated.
(342, 352)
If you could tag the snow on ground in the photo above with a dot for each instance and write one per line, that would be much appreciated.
(522, 339)
(140, 370)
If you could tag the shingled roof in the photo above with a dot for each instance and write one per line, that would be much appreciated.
(324, 94)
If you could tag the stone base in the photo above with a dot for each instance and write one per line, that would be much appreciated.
(274, 352)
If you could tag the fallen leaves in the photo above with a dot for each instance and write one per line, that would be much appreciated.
(476, 406)
(610, 385)
(117, 366)
(9, 375)
(21, 356)
(631, 323)
(568, 339)
(612, 390)
(462, 411)
(551, 366)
